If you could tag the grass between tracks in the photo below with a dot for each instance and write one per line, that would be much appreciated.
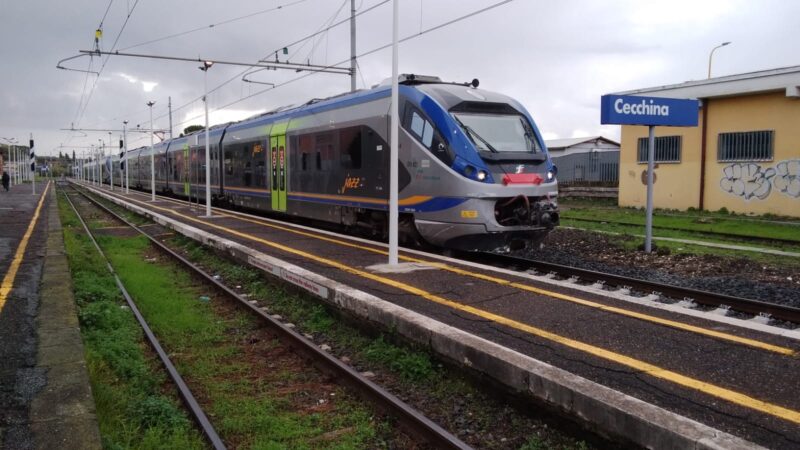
(133, 409)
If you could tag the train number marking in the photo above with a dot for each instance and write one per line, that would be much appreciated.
(469, 214)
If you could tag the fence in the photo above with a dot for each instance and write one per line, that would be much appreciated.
(588, 169)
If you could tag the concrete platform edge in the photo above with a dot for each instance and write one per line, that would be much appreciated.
(602, 409)
(62, 415)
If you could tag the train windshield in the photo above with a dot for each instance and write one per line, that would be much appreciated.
(497, 133)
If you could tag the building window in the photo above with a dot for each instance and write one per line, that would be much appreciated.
(745, 146)
(668, 149)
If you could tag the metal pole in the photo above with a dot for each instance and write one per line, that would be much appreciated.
(169, 107)
(125, 140)
(12, 163)
(352, 45)
(111, 161)
(711, 56)
(208, 145)
(33, 168)
(152, 156)
(394, 144)
(648, 227)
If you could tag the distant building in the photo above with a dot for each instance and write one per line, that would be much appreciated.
(744, 155)
(585, 160)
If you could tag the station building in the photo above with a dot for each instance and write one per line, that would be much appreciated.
(743, 156)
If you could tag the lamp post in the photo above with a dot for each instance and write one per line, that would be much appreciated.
(152, 156)
(101, 153)
(111, 160)
(393, 145)
(711, 56)
(125, 140)
(207, 65)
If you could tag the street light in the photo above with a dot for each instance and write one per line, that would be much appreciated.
(711, 56)
(152, 156)
(207, 65)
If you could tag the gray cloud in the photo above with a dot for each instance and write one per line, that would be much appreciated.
(557, 58)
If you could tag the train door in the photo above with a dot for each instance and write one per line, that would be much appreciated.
(279, 166)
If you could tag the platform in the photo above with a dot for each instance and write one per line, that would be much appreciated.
(45, 397)
(632, 369)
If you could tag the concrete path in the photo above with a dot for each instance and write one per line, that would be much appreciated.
(45, 398)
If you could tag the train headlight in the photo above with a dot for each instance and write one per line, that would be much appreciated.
(551, 174)
(481, 175)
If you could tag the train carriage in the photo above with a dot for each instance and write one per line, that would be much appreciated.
(474, 172)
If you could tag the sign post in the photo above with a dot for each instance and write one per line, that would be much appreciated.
(650, 111)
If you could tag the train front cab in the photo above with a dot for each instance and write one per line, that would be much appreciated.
(495, 183)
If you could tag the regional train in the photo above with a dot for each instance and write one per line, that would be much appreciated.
(474, 173)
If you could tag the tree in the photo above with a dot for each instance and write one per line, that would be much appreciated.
(192, 128)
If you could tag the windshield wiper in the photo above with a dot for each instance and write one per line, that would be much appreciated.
(474, 134)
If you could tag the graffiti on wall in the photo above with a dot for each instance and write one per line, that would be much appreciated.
(752, 181)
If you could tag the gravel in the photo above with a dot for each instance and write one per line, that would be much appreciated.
(738, 276)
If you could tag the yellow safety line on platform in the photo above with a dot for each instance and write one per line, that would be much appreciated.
(8, 279)
(644, 367)
(493, 279)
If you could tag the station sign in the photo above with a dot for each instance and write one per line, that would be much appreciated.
(654, 111)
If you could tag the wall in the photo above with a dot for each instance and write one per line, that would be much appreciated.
(677, 185)
(758, 187)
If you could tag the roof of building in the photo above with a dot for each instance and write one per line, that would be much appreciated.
(783, 79)
(556, 144)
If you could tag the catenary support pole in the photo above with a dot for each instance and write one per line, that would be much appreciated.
(125, 141)
(169, 107)
(152, 156)
(648, 232)
(352, 45)
(207, 65)
(395, 142)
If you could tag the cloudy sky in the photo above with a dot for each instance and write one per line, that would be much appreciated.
(557, 58)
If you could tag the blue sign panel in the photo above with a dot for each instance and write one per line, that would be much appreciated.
(632, 110)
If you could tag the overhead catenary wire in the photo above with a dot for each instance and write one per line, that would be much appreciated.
(94, 85)
(238, 75)
(375, 50)
(213, 25)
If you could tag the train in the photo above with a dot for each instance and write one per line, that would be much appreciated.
(474, 172)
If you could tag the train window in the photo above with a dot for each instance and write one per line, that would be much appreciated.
(228, 162)
(304, 161)
(350, 144)
(319, 160)
(424, 131)
(417, 124)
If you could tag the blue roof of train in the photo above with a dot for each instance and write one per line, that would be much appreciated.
(316, 107)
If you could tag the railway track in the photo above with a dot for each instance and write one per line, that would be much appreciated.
(711, 233)
(705, 298)
(408, 418)
(699, 297)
